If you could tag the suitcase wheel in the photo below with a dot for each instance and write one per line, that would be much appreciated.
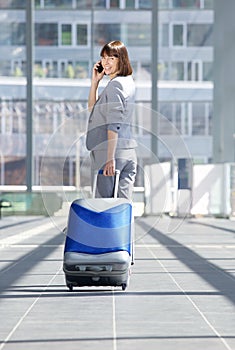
(124, 286)
(70, 287)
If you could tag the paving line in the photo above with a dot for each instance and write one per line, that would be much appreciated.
(148, 245)
(10, 334)
(190, 300)
(31, 245)
(214, 246)
(114, 321)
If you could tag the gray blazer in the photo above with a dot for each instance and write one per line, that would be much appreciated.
(113, 111)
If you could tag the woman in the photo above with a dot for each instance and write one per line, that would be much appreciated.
(109, 128)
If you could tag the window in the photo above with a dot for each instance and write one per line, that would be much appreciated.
(177, 116)
(84, 4)
(12, 4)
(130, 4)
(50, 68)
(198, 118)
(115, 3)
(82, 34)
(188, 118)
(58, 3)
(12, 34)
(184, 119)
(178, 35)
(38, 69)
(177, 71)
(81, 69)
(43, 111)
(62, 66)
(68, 37)
(208, 71)
(163, 4)
(18, 34)
(172, 118)
(166, 112)
(71, 69)
(195, 70)
(199, 35)
(183, 34)
(163, 71)
(23, 67)
(145, 4)
(138, 34)
(46, 34)
(16, 68)
(99, 3)
(5, 34)
(106, 32)
(5, 67)
(66, 34)
(186, 3)
(19, 120)
(37, 4)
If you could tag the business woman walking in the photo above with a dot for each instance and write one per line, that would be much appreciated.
(109, 128)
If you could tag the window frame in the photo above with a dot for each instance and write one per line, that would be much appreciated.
(74, 34)
(195, 64)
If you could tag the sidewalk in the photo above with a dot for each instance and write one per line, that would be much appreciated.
(181, 292)
(7, 221)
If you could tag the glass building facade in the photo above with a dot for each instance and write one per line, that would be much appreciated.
(68, 36)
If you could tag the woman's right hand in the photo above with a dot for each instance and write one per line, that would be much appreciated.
(95, 74)
(95, 79)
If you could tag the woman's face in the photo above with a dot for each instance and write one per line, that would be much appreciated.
(110, 65)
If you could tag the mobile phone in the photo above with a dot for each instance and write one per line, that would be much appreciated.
(100, 68)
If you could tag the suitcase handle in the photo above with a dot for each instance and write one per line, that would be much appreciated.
(116, 182)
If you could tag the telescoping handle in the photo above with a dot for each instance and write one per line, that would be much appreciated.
(116, 182)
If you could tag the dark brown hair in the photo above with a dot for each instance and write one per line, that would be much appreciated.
(118, 49)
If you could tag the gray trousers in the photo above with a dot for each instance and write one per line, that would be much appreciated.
(126, 163)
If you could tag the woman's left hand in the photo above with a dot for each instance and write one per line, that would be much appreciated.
(109, 168)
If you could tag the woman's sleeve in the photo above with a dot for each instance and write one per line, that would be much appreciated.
(115, 106)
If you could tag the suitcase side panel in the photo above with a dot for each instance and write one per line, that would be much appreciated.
(99, 232)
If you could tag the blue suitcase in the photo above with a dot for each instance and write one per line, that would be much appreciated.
(98, 248)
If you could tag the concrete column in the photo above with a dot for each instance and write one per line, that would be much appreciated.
(224, 82)
(29, 121)
(154, 72)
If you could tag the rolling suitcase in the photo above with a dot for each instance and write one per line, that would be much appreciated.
(98, 247)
